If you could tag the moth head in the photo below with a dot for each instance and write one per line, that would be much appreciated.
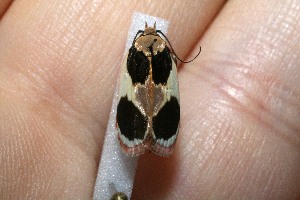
(150, 30)
(150, 42)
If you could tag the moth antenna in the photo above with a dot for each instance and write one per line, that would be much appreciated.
(159, 31)
(140, 31)
(154, 26)
(146, 24)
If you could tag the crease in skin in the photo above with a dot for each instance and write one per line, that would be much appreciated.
(246, 87)
(235, 91)
(50, 109)
(53, 76)
(244, 69)
(58, 49)
(256, 178)
(221, 136)
(251, 93)
(4, 7)
(38, 82)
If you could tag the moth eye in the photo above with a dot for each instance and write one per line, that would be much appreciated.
(155, 40)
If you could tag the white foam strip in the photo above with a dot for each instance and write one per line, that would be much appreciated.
(116, 171)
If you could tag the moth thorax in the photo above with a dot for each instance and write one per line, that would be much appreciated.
(150, 30)
(148, 43)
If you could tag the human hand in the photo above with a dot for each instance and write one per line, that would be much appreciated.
(240, 99)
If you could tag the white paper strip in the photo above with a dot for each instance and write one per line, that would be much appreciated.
(116, 171)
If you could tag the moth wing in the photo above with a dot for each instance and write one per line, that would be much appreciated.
(131, 123)
(165, 122)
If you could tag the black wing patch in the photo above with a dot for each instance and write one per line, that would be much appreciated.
(161, 66)
(137, 66)
(132, 123)
(165, 123)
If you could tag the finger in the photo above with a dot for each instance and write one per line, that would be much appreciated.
(59, 63)
(4, 4)
(239, 134)
(75, 59)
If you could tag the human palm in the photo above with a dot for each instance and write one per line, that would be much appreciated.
(240, 99)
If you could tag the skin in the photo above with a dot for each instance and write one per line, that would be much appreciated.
(240, 99)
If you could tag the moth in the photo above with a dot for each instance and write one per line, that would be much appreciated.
(148, 110)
